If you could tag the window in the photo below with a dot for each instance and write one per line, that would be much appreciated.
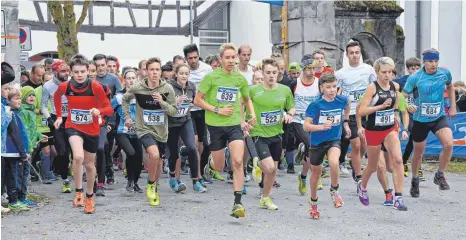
(214, 33)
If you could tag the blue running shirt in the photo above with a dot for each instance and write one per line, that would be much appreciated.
(430, 88)
(322, 111)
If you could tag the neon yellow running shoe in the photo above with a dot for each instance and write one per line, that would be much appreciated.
(151, 191)
(156, 201)
(302, 185)
(238, 211)
(324, 173)
(320, 186)
(216, 175)
(66, 186)
(267, 203)
(256, 170)
(405, 166)
(125, 172)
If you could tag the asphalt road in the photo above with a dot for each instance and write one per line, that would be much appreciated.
(119, 215)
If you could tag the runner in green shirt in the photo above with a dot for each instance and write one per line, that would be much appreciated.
(218, 94)
(270, 99)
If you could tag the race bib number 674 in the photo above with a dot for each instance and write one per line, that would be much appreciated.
(81, 116)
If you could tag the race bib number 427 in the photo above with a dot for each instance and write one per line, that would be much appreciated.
(154, 117)
(430, 109)
(270, 118)
(227, 94)
(81, 116)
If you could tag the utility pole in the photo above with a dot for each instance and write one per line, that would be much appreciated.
(191, 27)
(11, 52)
(285, 33)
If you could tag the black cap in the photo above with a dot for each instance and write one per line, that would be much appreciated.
(8, 73)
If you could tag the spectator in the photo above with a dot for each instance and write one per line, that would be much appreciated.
(213, 61)
(460, 92)
(24, 77)
(167, 72)
(48, 64)
(36, 76)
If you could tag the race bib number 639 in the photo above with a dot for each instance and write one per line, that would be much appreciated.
(227, 94)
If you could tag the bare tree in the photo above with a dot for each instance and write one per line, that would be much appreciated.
(67, 27)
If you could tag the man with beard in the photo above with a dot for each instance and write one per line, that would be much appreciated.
(61, 71)
(36, 77)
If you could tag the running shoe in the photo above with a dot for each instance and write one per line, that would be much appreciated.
(336, 198)
(130, 186)
(244, 191)
(5, 210)
(199, 188)
(405, 166)
(18, 207)
(230, 177)
(181, 186)
(207, 170)
(184, 170)
(89, 208)
(247, 178)
(100, 190)
(166, 169)
(280, 165)
(204, 181)
(110, 176)
(276, 184)
(290, 169)
(29, 204)
(440, 180)
(155, 201)
(414, 191)
(388, 198)
(173, 183)
(313, 212)
(261, 192)
(151, 190)
(325, 173)
(238, 211)
(300, 154)
(217, 176)
(66, 186)
(363, 196)
(256, 170)
(302, 185)
(125, 173)
(137, 188)
(78, 199)
(421, 176)
(320, 185)
(344, 171)
(399, 204)
(267, 203)
(52, 176)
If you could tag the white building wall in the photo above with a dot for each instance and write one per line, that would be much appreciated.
(449, 36)
(250, 24)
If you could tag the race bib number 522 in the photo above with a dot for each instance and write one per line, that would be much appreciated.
(270, 118)
(227, 94)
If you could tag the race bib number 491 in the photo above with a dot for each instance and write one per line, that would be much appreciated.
(226, 94)
(385, 118)
(333, 116)
(81, 116)
(270, 118)
(430, 109)
(154, 117)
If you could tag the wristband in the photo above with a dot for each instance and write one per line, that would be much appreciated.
(346, 121)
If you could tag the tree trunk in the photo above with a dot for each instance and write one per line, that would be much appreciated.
(67, 27)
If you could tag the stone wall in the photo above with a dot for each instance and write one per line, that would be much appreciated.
(329, 26)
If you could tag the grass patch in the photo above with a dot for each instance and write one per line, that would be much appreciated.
(453, 167)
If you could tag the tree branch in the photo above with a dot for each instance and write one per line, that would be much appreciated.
(56, 11)
(83, 14)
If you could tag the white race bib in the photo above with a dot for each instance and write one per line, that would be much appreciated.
(270, 118)
(64, 109)
(385, 117)
(430, 109)
(154, 117)
(43, 122)
(356, 96)
(182, 109)
(129, 130)
(333, 116)
(226, 94)
(79, 116)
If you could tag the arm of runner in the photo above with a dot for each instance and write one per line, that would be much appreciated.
(251, 112)
(170, 104)
(346, 119)
(105, 108)
(44, 102)
(128, 96)
(452, 97)
(364, 108)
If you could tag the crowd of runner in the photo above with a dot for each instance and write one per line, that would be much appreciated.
(85, 117)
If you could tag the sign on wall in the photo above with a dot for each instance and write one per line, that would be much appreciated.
(25, 38)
